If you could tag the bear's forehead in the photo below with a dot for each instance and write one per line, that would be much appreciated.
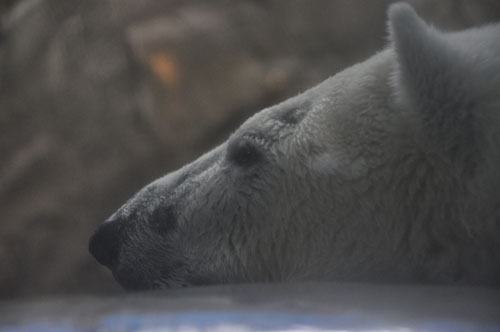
(335, 100)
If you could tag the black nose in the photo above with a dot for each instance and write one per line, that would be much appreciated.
(104, 245)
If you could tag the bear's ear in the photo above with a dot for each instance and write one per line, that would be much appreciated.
(432, 79)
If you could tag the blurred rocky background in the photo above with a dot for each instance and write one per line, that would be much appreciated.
(99, 97)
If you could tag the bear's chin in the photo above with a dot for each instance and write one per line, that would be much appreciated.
(133, 279)
(130, 280)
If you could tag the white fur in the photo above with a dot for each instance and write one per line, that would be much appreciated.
(388, 171)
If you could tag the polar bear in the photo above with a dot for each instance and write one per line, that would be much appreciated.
(387, 172)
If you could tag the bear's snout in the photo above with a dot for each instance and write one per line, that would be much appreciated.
(105, 244)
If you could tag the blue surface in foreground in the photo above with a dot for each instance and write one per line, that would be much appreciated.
(243, 321)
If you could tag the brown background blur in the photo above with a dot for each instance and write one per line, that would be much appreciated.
(99, 97)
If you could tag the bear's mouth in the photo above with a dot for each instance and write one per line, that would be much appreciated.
(138, 283)
(138, 276)
(130, 279)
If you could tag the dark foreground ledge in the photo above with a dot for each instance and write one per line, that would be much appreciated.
(270, 307)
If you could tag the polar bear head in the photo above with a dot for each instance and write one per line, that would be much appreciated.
(388, 171)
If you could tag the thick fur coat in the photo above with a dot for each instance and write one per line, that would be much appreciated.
(387, 172)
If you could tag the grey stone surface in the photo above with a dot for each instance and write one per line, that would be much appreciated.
(292, 307)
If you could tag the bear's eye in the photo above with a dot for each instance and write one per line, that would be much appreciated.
(243, 152)
(293, 116)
